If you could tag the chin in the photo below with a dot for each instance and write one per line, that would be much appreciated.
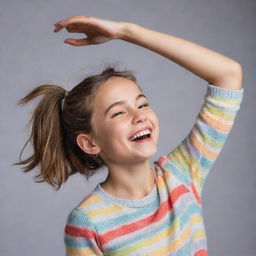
(149, 154)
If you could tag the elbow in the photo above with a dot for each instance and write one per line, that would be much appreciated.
(232, 79)
(237, 74)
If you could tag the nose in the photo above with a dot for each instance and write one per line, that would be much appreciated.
(139, 116)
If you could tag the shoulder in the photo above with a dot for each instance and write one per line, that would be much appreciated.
(77, 217)
(79, 214)
(90, 206)
(89, 201)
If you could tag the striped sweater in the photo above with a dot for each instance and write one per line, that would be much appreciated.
(169, 220)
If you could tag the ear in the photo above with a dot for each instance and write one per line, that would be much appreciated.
(85, 142)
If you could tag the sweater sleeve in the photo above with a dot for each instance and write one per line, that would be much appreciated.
(80, 236)
(195, 155)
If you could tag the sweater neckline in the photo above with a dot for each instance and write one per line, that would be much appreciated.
(132, 203)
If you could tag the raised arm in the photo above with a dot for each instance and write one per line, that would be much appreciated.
(211, 66)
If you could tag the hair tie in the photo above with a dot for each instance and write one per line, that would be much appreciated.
(63, 100)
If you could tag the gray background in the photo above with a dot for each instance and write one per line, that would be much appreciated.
(33, 215)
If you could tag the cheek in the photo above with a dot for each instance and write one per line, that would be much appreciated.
(117, 129)
(112, 133)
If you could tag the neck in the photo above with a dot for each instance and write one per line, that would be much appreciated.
(129, 182)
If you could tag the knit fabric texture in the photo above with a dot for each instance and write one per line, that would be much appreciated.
(169, 220)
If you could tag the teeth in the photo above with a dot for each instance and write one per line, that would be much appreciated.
(139, 134)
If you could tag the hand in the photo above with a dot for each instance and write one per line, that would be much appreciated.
(97, 30)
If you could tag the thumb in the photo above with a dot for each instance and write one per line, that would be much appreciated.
(77, 42)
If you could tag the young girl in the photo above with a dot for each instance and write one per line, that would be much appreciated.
(106, 120)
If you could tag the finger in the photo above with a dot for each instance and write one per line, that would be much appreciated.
(69, 21)
(69, 28)
(61, 24)
(77, 42)
(57, 28)
(70, 18)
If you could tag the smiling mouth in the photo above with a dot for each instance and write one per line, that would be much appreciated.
(144, 137)
(141, 136)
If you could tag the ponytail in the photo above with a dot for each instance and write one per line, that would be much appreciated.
(46, 136)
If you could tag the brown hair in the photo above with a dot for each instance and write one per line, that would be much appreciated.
(54, 130)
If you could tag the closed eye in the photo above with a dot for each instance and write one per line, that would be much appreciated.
(144, 105)
(117, 114)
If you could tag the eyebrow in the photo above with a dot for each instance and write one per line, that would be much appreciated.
(123, 102)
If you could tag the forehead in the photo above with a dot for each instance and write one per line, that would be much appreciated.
(116, 89)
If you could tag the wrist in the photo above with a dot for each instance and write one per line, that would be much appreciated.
(126, 30)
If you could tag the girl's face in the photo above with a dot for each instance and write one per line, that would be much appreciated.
(120, 114)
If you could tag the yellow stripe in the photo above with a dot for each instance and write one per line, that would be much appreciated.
(219, 114)
(231, 102)
(103, 211)
(198, 234)
(167, 175)
(179, 158)
(82, 252)
(196, 219)
(166, 233)
(90, 200)
(160, 182)
(174, 245)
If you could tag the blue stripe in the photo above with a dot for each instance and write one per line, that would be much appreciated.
(185, 250)
(77, 217)
(206, 163)
(192, 209)
(175, 171)
(210, 132)
(77, 243)
(214, 91)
